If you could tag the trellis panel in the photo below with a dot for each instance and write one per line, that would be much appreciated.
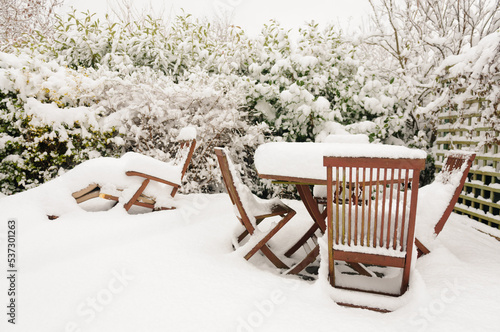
(480, 198)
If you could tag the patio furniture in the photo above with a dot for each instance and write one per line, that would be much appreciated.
(371, 207)
(166, 176)
(438, 199)
(301, 164)
(251, 211)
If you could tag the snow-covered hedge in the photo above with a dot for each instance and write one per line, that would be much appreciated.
(45, 125)
(149, 108)
(295, 87)
(132, 86)
(53, 117)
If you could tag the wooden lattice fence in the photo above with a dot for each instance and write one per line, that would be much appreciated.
(480, 198)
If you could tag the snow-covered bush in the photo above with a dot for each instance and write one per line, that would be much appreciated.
(53, 117)
(83, 40)
(45, 126)
(468, 84)
(408, 40)
(19, 19)
(149, 108)
(299, 89)
(148, 79)
(296, 87)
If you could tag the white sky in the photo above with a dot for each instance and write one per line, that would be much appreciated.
(250, 14)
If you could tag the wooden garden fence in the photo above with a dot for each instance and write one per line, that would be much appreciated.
(480, 198)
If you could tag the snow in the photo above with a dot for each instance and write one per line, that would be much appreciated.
(52, 114)
(433, 199)
(176, 271)
(133, 161)
(476, 58)
(110, 175)
(187, 134)
(374, 151)
(289, 159)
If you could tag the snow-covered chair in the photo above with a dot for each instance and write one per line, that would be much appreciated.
(251, 210)
(372, 223)
(437, 200)
(140, 180)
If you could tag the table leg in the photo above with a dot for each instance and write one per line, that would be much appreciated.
(318, 218)
(311, 205)
(319, 223)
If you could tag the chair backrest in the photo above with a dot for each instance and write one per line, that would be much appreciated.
(233, 186)
(185, 154)
(371, 202)
(371, 208)
(187, 141)
(455, 169)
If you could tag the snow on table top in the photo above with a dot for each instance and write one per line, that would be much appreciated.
(374, 151)
(305, 160)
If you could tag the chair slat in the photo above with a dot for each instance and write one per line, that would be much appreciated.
(376, 223)
(390, 239)
(396, 242)
(369, 209)
(405, 201)
(382, 219)
(363, 200)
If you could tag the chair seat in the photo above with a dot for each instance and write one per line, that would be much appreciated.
(437, 200)
(276, 208)
(280, 207)
(433, 201)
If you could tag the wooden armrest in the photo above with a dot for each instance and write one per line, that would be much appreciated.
(154, 178)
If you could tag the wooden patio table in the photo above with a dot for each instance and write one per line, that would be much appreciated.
(301, 164)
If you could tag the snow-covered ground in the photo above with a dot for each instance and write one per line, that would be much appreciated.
(176, 271)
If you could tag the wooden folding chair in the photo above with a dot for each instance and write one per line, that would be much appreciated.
(438, 199)
(179, 164)
(251, 211)
(371, 209)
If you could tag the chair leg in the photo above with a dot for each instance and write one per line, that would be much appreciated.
(270, 235)
(311, 257)
(246, 232)
(136, 195)
(174, 191)
(302, 240)
(273, 258)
